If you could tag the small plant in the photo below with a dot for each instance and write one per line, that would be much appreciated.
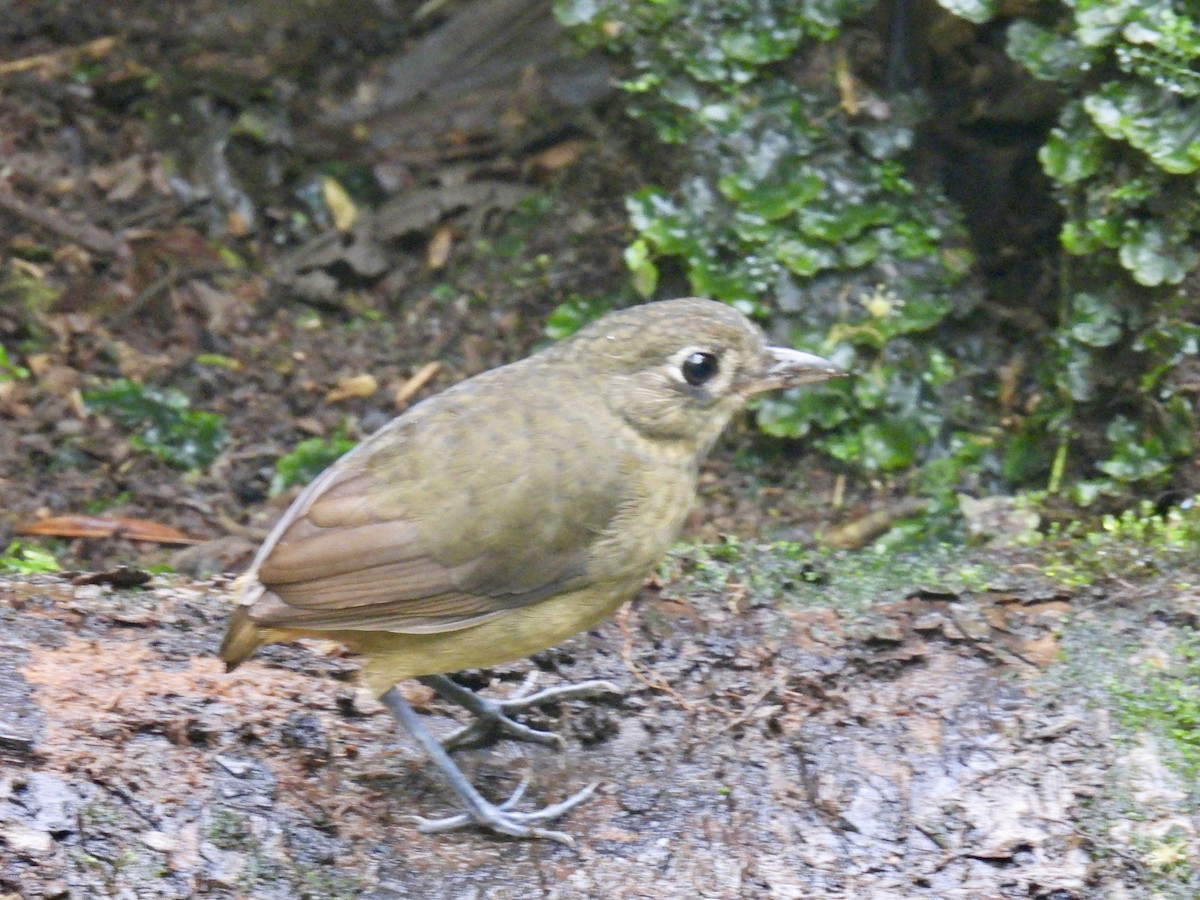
(22, 559)
(1139, 542)
(9, 370)
(1167, 701)
(309, 459)
(162, 421)
(228, 830)
(1124, 157)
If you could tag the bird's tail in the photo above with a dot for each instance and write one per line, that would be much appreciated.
(242, 638)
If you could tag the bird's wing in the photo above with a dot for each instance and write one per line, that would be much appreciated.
(451, 515)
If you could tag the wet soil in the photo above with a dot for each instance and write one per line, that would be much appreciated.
(925, 748)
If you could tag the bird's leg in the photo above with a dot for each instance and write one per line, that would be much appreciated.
(481, 812)
(492, 717)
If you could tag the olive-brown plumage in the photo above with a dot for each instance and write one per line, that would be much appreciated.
(516, 508)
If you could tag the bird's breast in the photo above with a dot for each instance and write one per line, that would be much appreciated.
(660, 488)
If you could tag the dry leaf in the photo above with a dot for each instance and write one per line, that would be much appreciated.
(237, 225)
(364, 385)
(1041, 651)
(337, 201)
(106, 526)
(552, 159)
(440, 245)
(120, 577)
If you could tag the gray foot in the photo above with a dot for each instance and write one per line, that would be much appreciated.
(493, 717)
(502, 820)
(479, 811)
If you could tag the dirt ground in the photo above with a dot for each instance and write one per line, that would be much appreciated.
(919, 748)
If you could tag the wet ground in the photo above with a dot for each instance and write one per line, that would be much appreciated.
(929, 746)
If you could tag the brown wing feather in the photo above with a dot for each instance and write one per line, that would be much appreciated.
(372, 545)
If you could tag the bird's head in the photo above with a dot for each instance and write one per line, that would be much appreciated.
(676, 370)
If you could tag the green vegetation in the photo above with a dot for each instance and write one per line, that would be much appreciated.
(782, 218)
(228, 830)
(1164, 698)
(22, 559)
(1124, 157)
(1138, 543)
(796, 198)
(1135, 545)
(308, 460)
(163, 422)
(764, 574)
(329, 884)
(9, 370)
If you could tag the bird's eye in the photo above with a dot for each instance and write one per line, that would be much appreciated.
(699, 368)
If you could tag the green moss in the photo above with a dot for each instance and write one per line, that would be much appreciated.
(162, 422)
(228, 830)
(1137, 544)
(1164, 698)
(329, 884)
(784, 572)
(309, 459)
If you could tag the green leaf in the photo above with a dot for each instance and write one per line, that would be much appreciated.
(9, 370)
(577, 311)
(642, 267)
(1095, 320)
(794, 414)
(890, 444)
(1071, 156)
(977, 11)
(162, 421)
(1047, 55)
(22, 559)
(1152, 258)
(772, 201)
(846, 222)
(1164, 127)
(1135, 457)
(803, 258)
(573, 13)
(1077, 239)
(1097, 21)
(760, 46)
(309, 459)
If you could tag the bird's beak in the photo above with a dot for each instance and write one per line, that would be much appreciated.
(785, 368)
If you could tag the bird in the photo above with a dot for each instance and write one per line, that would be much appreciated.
(509, 512)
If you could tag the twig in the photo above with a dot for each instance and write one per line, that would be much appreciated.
(654, 684)
(421, 378)
(67, 56)
(89, 236)
(739, 718)
(164, 283)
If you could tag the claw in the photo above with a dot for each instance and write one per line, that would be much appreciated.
(503, 820)
(493, 717)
